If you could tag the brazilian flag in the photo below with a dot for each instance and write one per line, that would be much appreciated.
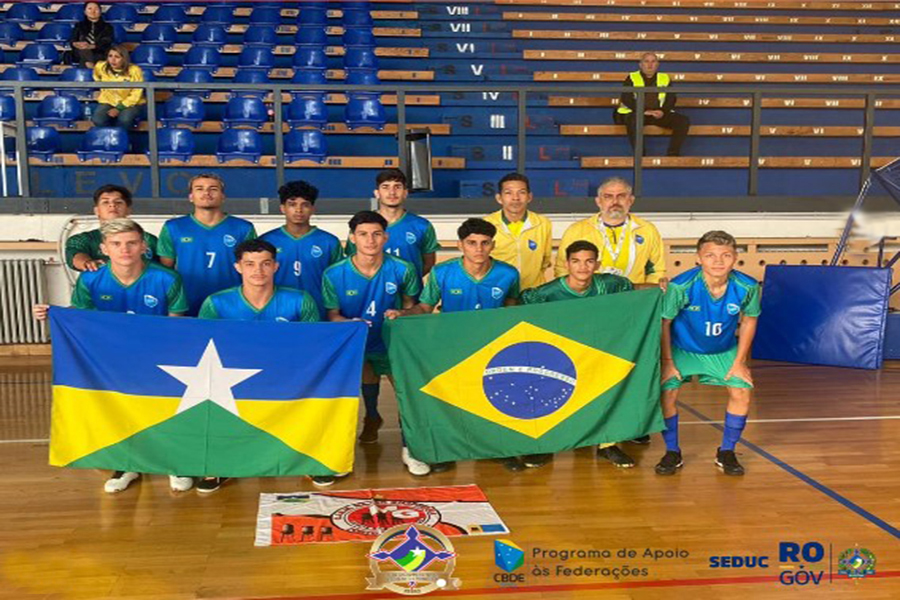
(196, 397)
(528, 379)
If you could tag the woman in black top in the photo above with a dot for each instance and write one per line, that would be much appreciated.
(91, 37)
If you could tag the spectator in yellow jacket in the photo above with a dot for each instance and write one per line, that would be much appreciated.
(524, 238)
(118, 108)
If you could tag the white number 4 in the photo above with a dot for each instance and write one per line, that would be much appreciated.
(371, 309)
(713, 329)
(212, 259)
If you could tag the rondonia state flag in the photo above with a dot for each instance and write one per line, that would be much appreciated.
(196, 397)
(528, 379)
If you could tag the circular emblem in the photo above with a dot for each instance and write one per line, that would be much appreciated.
(856, 563)
(411, 237)
(390, 287)
(532, 245)
(148, 253)
(529, 380)
(373, 517)
(315, 251)
(412, 560)
(151, 301)
(229, 240)
(638, 239)
(732, 308)
(496, 293)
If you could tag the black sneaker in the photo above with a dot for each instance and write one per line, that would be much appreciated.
(615, 455)
(369, 434)
(641, 441)
(512, 464)
(533, 461)
(670, 462)
(210, 484)
(728, 462)
(443, 467)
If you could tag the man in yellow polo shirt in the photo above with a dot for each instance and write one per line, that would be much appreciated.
(629, 246)
(524, 238)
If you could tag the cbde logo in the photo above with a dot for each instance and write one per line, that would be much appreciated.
(793, 561)
(508, 557)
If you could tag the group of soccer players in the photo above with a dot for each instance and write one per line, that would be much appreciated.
(212, 265)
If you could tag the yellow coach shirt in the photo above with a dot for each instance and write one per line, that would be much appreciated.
(528, 249)
(639, 256)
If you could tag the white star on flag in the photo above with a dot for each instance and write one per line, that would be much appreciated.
(209, 380)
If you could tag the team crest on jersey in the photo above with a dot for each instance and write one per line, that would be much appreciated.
(390, 287)
(148, 253)
(411, 237)
(229, 240)
(187, 240)
(496, 293)
(638, 239)
(732, 308)
(455, 292)
(316, 251)
(151, 301)
(281, 320)
(532, 245)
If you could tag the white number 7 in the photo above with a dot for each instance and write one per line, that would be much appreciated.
(212, 259)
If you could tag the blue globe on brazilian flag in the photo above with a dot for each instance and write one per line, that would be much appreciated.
(528, 379)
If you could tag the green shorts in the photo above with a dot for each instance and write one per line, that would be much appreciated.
(380, 363)
(710, 369)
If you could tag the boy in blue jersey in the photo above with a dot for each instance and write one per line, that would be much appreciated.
(703, 310)
(200, 246)
(364, 287)
(473, 282)
(256, 299)
(304, 250)
(129, 284)
(411, 237)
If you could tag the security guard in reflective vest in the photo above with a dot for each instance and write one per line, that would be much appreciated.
(658, 108)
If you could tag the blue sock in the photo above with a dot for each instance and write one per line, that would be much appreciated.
(734, 425)
(670, 433)
(370, 393)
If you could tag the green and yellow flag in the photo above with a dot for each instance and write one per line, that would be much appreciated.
(528, 379)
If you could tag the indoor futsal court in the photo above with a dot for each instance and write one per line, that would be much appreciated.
(820, 450)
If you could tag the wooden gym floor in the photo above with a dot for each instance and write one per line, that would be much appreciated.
(822, 458)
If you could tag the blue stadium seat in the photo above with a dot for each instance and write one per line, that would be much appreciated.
(10, 33)
(263, 15)
(260, 59)
(24, 13)
(357, 18)
(245, 111)
(260, 35)
(109, 144)
(218, 15)
(69, 13)
(187, 75)
(120, 36)
(19, 74)
(58, 110)
(309, 77)
(77, 74)
(42, 142)
(175, 144)
(307, 109)
(209, 35)
(183, 110)
(150, 57)
(312, 17)
(39, 56)
(362, 77)
(149, 75)
(159, 33)
(311, 36)
(360, 58)
(123, 14)
(359, 36)
(172, 15)
(202, 57)
(55, 33)
(364, 110)
(236, 144)
(251, 76)
(7, 108)
(307, 57)
(305, 144)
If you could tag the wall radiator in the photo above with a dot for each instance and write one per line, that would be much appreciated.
(22, 284)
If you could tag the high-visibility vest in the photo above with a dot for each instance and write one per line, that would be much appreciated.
(637, 80)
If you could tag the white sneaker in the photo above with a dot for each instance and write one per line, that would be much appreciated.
(119, 481)
(414, 466)
(180, 484)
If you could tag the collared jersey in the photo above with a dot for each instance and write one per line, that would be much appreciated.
(286, 304)
(204, 256)
(527, 249)
(558, 289)
(410, 237)
(345, 289)
(451, 285)
(158, 291)
(302, 260)
(703, 324)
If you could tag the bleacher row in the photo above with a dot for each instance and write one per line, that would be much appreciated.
(542, 41)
